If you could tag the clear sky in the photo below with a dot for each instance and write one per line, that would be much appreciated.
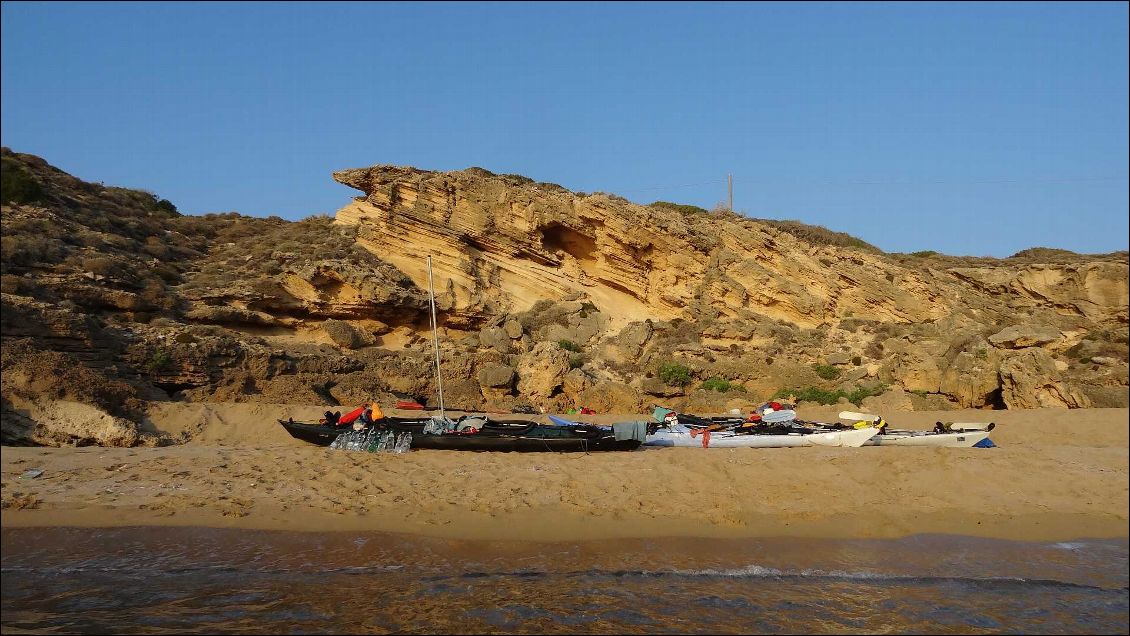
(966, 128)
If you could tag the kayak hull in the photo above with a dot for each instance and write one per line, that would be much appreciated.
(965, 439)
(722, 439)
(318, 434)
(522, 437)
(324, 435)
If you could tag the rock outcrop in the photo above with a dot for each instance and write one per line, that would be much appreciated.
(500, 244)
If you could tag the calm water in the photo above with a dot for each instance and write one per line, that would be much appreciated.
(147, 580)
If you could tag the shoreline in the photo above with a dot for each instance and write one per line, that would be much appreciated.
(1055, 475)
(1031, 528)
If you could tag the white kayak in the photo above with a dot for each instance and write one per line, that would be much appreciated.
(853, 438)
(964, 439)
(950, 427)
(944, 435)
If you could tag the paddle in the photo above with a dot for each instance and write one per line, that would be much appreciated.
(858, 417)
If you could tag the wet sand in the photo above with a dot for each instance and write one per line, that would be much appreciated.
(1056, 475)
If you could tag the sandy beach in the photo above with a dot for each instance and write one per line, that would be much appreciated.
(1056, 474)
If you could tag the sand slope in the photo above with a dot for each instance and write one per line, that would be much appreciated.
(1057, 474)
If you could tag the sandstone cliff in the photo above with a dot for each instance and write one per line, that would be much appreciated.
(937, 327)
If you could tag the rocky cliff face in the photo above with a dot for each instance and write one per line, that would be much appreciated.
(547, 299)
(501, 244)
(954, 330)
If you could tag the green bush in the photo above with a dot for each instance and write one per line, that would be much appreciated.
(686, 210)
(820, 235)
(569, 345)
(811, 394)
(715, 384)
(159, 360)
(824, 396)
(17, 185)
(826, 371)
(576, 362)
(166, 205)
(519, 179)
(721, 386)
(857, 396)
(675, 374)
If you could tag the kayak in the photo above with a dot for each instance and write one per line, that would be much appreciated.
(493, 435)
(522, 437)
(795, 437)
(323, 434)
(944, 435)
(963, 439)
(852, 438)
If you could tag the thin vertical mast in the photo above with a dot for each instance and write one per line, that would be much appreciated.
(435, 338)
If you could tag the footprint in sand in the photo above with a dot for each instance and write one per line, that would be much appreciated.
(20, 501)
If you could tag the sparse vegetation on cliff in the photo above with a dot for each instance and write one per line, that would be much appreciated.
(721, 386)
(686, 210)
(675, 374)
(820, 235)
(825, 396)
(826, 371)
(18, 186)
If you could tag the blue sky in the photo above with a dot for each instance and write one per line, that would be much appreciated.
(978, 129)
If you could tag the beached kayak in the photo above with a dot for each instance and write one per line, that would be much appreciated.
(489, 435)
(944, 435)
(964, 439)
(782, 437)
(724, 439)
(325, 434)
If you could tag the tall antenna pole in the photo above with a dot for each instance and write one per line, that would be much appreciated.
(435, 337)
(730, 180)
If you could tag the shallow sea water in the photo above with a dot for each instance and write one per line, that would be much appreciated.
(175, 580)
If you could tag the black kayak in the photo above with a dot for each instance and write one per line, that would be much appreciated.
(495, 435)
(325, 434)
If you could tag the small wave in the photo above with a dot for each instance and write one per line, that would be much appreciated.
(1074, 546)
(752, 571)
(749, 571)
(757, 571)
(201, 569)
